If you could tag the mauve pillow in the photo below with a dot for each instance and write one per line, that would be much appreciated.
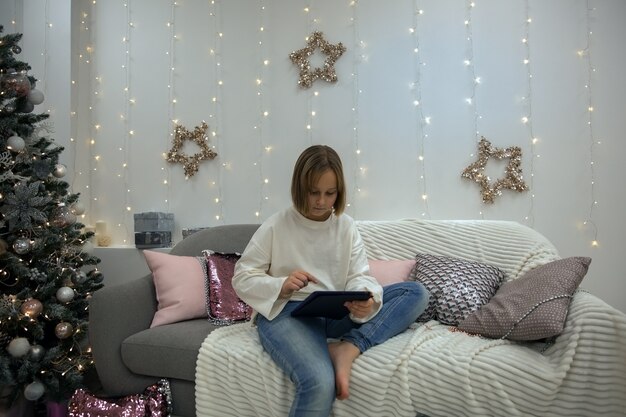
(179, 282)
(390, 271)
(533, 306)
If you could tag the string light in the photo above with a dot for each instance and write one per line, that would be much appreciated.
(215, 51)
(356, 93)
(593, 142)
(263, 113)
(311, 94)
(422, 121)
(469, 63)
(474, 80)
(126, 119)
(171, 115)
(527, 120)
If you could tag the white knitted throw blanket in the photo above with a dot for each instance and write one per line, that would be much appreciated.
(431, 368)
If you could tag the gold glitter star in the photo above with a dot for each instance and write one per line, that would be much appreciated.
(301, 59)
(513, 179)
(190, 163)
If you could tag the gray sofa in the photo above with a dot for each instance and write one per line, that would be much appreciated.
(128, 354)
(433, 368)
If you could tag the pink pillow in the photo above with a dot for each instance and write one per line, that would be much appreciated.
(179, 283)
(391, 271)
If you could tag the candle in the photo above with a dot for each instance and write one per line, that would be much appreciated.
(101, 227)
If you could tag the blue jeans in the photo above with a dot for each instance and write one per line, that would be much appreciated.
(299, 347)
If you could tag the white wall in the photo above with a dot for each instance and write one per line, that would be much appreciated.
(370, 109)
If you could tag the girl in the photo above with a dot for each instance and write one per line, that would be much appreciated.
(313, 246)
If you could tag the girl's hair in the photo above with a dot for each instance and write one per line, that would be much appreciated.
(311, 164)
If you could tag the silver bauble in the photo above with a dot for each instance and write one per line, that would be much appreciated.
(65, 294)
(22, 245)
(79, 277)
(16, 143)
(59, 170)
(78, 208)
(34, 391)
(88, 247)
(35, 96)
(36, 352)
(18, 347)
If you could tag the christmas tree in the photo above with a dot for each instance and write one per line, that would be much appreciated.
(47, 273)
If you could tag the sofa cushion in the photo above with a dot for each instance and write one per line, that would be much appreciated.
(224, 307)
(390, 271)
(457, 287)
(531, 307)
(179, 282)
(167, 351)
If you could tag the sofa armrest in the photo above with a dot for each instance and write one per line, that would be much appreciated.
(115, 313)
(589, 354)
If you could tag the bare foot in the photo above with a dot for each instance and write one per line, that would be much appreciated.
(343, 354)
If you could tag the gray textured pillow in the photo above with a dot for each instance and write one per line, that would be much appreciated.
(457, 287)
(531, 307)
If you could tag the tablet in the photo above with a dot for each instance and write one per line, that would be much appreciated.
(328, 304)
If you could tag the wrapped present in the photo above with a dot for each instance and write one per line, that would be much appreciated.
(191, 231)
(145, 240)
(154, 221)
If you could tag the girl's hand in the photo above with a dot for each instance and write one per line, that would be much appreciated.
(296, 281)
(360, 308)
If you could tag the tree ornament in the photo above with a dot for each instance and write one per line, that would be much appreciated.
(35, 96)
(198, 136)
(34, 391)
(22, 245)
(79, 277)
(63, 330)
(63, 217)
(21, 207)
(16, 49)
(36, 352)
(78, 208)
(301, 59)
(59, 170)
(16, 143)
(65, 294)
(31, 308)
(26, 107)
(18, 347)
(15, 82)
(8, 108)
(513, 179)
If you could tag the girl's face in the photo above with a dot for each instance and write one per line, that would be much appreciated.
(322, 197)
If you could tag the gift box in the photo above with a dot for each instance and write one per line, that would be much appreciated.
(154, 221)
(191, 231)
(145, 240)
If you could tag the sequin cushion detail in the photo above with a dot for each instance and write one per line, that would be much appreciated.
(154, 402)
(457, 287)
(532, 307)
(223, 305)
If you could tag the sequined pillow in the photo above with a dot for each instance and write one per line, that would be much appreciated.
(223, 305)
(154, 402)
(457, 287)
(532, 307)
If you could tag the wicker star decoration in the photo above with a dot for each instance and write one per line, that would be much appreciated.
(513, 179)
(199, 137)
(301, 59)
